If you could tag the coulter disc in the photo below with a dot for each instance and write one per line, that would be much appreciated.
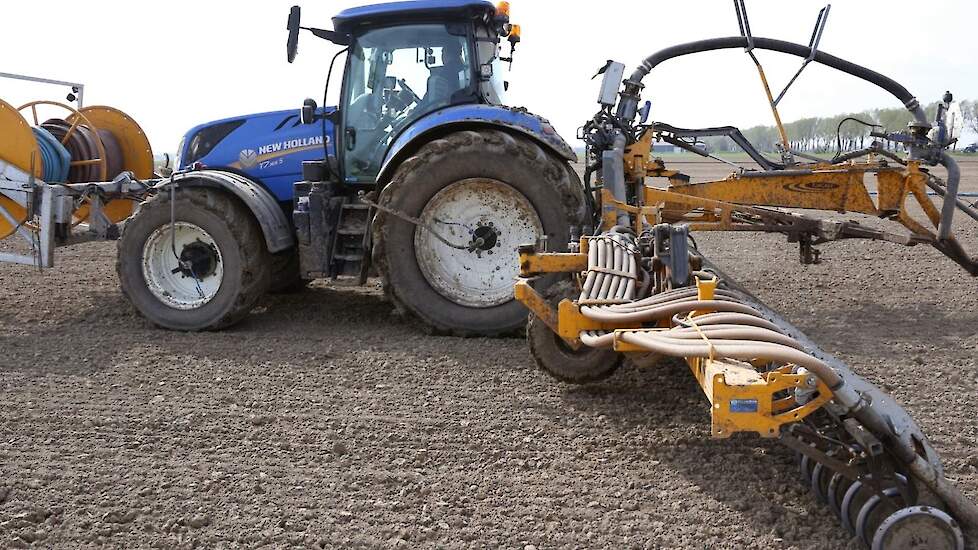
(918, 527)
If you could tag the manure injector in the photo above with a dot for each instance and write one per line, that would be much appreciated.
(208, 241)
(639, 286)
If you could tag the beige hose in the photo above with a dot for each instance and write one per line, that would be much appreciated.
(733, 349)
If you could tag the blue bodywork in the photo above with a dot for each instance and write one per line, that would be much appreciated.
(270, 147)
(375, 14)
(267, 147)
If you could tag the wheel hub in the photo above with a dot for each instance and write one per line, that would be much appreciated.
(198, 260)
(484, 239)
(182, 265)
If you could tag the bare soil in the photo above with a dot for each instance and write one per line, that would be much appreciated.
(324, 421)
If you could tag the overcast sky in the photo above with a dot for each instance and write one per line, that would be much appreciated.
(175, 64)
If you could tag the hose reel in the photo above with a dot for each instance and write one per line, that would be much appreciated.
(101, 142)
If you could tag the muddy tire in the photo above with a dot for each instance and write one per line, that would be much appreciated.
(489, 191)
(217, 237)
(555, 357)
(285, 275)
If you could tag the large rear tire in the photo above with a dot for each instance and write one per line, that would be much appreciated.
(220, 242)
(485, 189)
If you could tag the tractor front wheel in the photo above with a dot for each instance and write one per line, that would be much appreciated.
(479, 195)
(203, 271)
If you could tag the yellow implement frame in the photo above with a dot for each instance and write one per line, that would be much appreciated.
(746, 201)
(742, 399)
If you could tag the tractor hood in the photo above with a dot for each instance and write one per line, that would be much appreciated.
(267, 147)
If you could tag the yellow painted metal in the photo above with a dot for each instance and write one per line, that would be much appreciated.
(137, 155)
(774, 107)
(530, 298)
(726, 382)
(551, 262)
(75, 119)
(839, 189)
(637, 156)
(571, 322)
(19, 147)
(706, 288)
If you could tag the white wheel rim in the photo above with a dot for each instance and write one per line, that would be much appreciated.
(162, 272)
(483, 275)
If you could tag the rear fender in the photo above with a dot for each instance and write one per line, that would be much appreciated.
(473, 117)
(274, 224)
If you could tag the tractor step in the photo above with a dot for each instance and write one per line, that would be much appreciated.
(332, 231)
(351, 239)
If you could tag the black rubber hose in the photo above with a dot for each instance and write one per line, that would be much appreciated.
(885, 82)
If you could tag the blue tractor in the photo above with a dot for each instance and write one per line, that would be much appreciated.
(421, 175)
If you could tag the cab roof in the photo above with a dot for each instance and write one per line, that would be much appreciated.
(396, 12)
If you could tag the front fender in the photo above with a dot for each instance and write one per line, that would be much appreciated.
(265, 207)
(462, 117)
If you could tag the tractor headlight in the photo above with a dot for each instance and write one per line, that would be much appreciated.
(204, 141)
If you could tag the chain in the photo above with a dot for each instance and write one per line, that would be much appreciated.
(476, 243)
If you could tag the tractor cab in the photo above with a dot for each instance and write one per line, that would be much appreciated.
(406, 60)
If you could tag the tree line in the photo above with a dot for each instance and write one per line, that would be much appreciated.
(822, 134)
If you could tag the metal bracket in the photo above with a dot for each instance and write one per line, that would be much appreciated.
(671, 247)
(744, 24)
(823, 17)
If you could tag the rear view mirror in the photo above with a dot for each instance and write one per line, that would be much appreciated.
(292, 46)
(308, 112)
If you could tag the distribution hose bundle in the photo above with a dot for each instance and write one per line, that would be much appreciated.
(732, 329)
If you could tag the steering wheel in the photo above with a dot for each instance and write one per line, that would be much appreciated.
(406, 88)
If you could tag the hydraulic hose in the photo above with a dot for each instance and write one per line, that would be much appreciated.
(55, 158)
(950, 197)
(665, 311)
(734, 349)
(888, 84)
(613, 173)
(738, 319)
(730, 332)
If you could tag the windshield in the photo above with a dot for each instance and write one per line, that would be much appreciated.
(395, 76)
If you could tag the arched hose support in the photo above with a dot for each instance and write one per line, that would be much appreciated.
(699, 46)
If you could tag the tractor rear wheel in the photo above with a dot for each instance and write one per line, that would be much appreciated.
(203, 272)
(485, 192)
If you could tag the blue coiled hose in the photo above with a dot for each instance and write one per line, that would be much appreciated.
(56, 158)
